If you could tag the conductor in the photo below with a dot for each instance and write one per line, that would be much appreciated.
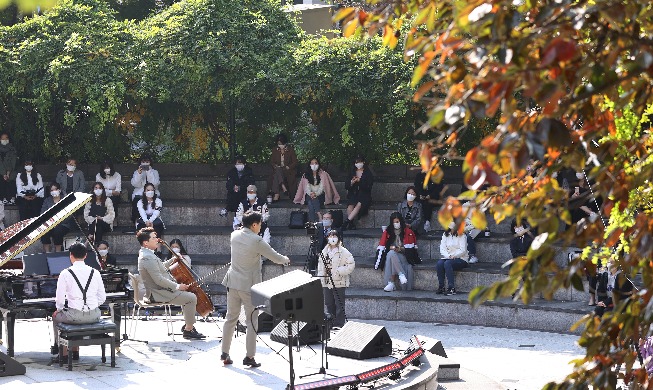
(247, 247)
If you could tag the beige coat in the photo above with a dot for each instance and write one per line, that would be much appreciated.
(342, 265)
(247, 248)
(159, 286)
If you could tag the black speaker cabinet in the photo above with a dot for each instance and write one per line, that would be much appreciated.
(294, 296)
(9, 366)
(265, 322)
(357, 340)
(302, 333)
(433, 346)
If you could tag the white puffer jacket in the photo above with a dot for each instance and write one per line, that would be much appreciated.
(341, 263)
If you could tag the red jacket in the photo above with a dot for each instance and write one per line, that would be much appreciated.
(410, 241)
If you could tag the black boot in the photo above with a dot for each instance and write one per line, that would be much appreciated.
(352, 225)
(345, 225)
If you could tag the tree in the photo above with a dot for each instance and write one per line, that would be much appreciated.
(571, 82)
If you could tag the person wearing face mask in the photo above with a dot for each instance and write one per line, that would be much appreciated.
(105, 257)
(284, 168)
(316, 188)
(149, 211)
(8, 160)
(178, 249)
(71, 179)
(581, 202)
(143, 175)
(334, 267)
(252, 202)
(238, 178)
(359, 192)
(99, 214)
(396, 241)
(111, 180)
(613, 287)
(453, 249)
(522, 239)
(55, 235)
(29, 192)
(325, 228)
(411, 210)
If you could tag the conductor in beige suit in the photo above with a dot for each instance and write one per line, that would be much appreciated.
(247, 247)
(159, 286)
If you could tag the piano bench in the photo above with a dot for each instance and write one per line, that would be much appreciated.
(77, 335)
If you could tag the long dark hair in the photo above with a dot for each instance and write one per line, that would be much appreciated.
(144, 199)
(33, 174)
(106, 164)
(182, 250)
(103, 197)
(391, 229)
(309, 172)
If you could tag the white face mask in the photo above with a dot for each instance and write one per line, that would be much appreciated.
(55, 194)
(580, 175)
(359, 165)
(176, 250)
(397, 225)
(103, 252)
(251, 196)
(28, 168)
(326, 222)
(519, 230)
(97, 192)
(71, 168)
(315, 167)
(333, 240)
(4, 142)
(240, 167)
(147, 164)
(149, 194)
(410, 197)
(107, 171)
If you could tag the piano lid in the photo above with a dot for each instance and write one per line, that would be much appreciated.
(17, 237)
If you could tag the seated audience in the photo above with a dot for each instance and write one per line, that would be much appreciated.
(252, 202)
(315, 190)
(471, 232)
(99, 214)
(29, 192)
(429, 196)
(325, 228)
(149, 211)
(613, 286)
(359, 192)
(143, 175)
(453, 249)
(55, 235)
(238, 178)
(111, 180)
(284, 168)
(71, 179)
(8, 161)
(411, 210)
(397, 242)
(106, 258)
(178, 249)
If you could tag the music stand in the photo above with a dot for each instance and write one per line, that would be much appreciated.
(326, 334)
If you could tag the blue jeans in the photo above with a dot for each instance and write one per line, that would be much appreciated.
(445, 267)
(471, 245)
(314, 206)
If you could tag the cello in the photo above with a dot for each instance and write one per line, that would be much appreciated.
(183, 275)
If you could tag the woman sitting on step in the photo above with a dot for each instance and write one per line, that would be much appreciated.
(149, 209)
(99, 214)
(411, 210)
(397, 242)
(453, 249)
(359, 192)
(178, 249)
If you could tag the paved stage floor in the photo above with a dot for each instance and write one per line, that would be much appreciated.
(490, 358)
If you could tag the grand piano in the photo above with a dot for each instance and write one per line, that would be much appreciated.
(26, 292)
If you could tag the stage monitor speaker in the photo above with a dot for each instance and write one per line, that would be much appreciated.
(294, 296)
(433, 346)
(265, 322)
(357, 340)
(9, 366)
(302, 333)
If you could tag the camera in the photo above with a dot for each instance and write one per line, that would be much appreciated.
(311, 228)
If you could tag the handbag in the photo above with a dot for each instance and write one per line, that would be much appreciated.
(298, 219)
(412, 256)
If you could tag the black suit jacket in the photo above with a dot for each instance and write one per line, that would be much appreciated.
(322, 238)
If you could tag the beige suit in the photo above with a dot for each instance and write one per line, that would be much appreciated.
(159, 286)
(247, 248)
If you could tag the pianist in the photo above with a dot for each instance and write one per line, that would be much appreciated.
(80, 291)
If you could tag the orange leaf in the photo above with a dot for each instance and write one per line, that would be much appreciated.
(422, 90)
(350, 28)
(614, 237)
(425, 157)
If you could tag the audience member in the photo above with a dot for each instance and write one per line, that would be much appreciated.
(143, 175)
(71, 179)
(284, 168)
(8, 159)
(613, 286)
(411, 210)
(325, 228)
(55, 235)
(471, 232)
(334, 270)
(106, 258)
(453, 249)
(149, 211)
(429, 196)
(522, 240)
(29, 192)
(359, 192)
(111, 180)
(252, 202)
(178, 249)
(99, 214)
(397, 242)
(316, 189)
(238, 178)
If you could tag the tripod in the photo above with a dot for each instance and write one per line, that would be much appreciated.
(326, 332)
(289, 323)
(310, 265)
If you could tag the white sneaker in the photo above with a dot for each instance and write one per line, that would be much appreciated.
(473, 260)
(223, 212)
(402, 278)
(389, 287)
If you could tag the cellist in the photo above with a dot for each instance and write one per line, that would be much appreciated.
(159, 287)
